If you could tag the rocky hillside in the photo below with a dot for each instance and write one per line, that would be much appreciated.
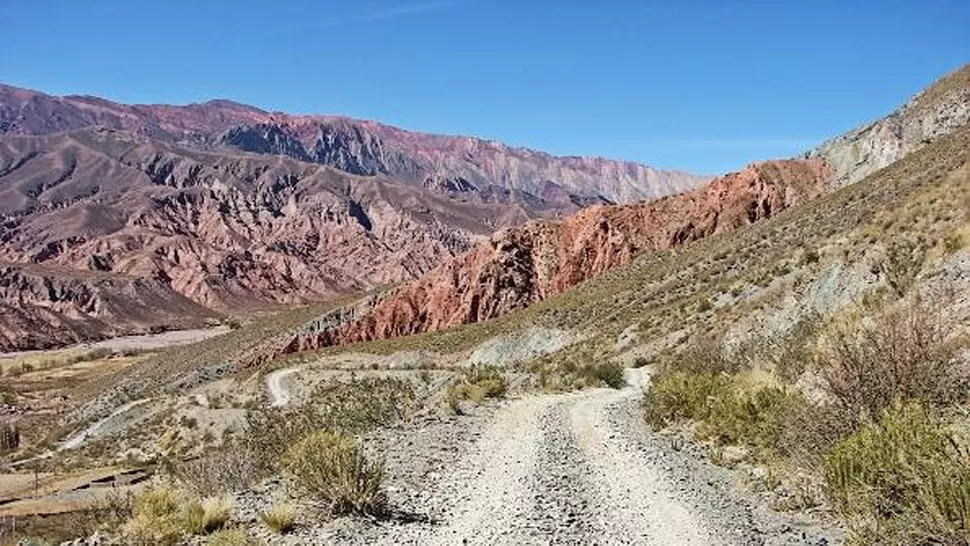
(227, 230)
(519, 267)
(523, 265)
(236, 208)
(454, 166)
(934, 113)
(43, 307)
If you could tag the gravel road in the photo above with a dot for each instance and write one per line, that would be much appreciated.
(578, 468)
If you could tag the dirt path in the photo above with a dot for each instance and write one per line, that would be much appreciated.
(278, 395)
(578, 468)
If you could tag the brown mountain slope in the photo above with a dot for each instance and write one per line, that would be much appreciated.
(523, 265)
(43, 307)
(226, 230)
(447, 164)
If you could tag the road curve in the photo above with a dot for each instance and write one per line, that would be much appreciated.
(279, 396)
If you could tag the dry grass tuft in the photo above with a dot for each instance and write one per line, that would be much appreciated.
(333, 468)
(280, 518)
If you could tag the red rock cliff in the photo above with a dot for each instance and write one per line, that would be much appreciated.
(523, 265)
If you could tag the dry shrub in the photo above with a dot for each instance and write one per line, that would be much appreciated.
(332, 467)
(903, 354)
(160, 516)
(232, 537)
(902, 480)
(707, 355)
(9, 437)
(280, 518)
(902, 264)
(229, 469)
(352, 408)
(164, 515)
(216, 512)
(812, 430)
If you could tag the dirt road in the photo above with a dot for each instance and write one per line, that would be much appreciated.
(579, 468)
(278, 395)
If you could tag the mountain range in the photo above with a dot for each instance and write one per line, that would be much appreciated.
(235, 209)
(221, 206)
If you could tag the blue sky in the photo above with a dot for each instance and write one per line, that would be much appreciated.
(702, 86)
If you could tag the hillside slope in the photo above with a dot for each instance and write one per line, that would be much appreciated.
(226, 230)
(526, 265)
(933, 113)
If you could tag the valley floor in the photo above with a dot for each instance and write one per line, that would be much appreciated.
(577, 468)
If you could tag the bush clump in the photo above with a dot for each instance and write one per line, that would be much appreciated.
(232, 537)
(610, 373)
(680, 396)
(902, 354)
(280, 518)
(333, 468)
(902, 480)
(477, 383)
(164, 515)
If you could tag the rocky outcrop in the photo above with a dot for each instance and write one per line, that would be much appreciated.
(523, 265)
(42, 307)
(354, 146)
(933, 113)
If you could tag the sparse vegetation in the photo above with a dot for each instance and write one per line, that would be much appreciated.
(476, 384)
(234, 467)
(904, 259)
(280, 518)
(334, 470)
(232, 537)
(346, 407)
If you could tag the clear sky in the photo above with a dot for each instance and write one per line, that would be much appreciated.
(703, 86)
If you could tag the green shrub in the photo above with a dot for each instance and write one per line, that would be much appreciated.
(332, 467)
(901, 480)
(757, 418)
(679, 396)
(477, 383)
(610, 373)
(489, 380)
